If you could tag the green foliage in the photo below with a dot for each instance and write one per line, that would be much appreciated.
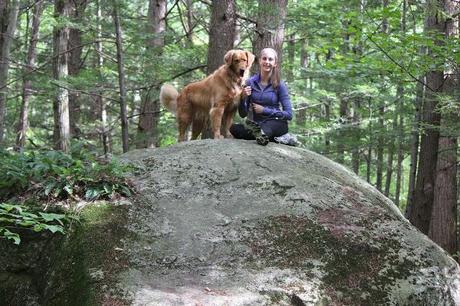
(13, 218)
(53, 175)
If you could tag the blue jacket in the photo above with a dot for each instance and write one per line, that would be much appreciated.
(276, 103)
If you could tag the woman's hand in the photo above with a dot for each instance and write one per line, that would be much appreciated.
(258, 109)
(247, 91)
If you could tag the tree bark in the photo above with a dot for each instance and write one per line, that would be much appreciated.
(222, 34)
(100, 100)
(390, 155)
(399, 146)
(420, 212)
(23, 125)
(270, 26)
(370, 144)
(61, 71)
(75, 65)
(443, 224)
(342, 133)
(399, 109)
(291, 56)
(8, 18)
(121, 78)
(147, 129)
(355, 160)
(190, 23)
(415, 143)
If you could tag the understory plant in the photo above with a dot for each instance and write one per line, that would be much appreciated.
(19, 217)
(32, 183)
(54, 175)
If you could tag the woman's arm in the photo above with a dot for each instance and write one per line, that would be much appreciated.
(283, 98)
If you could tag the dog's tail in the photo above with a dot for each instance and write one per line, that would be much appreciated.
(168, 97)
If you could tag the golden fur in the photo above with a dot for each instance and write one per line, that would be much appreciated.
(216, 97)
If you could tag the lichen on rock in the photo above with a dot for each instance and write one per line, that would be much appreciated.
(229, 222)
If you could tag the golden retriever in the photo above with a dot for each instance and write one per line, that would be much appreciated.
(216, 97)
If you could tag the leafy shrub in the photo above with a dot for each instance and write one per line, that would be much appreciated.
(53, 175)
(14, 217)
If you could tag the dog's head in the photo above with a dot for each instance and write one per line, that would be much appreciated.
(239, 61)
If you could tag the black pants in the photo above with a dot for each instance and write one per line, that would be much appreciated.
(272, 128)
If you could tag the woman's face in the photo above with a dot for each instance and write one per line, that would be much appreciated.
(267, 61)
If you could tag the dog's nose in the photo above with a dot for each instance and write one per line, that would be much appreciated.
(242, 72)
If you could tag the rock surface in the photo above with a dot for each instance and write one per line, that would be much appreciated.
(229, 222)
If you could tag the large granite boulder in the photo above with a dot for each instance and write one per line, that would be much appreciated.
(229, 222)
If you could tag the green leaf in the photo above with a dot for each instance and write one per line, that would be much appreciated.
(10, 235)
(49, 217)
(54, 228)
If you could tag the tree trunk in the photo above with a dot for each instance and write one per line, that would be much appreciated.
(342, 133)
(222, 34)
(75, 65)
(356, 136)
(147, 129)
(221, 39)
(8, 16)
(190, 23)
(399, 109)
(443, 224)
(415, 143)
(369, 146)
(399, 147)
(121, 79)
(61, 71)
(327, 114)
(380, 146)
(291, 56)
(390, 155)
(23, 125)
(420, 212)
(270, 26)
(100, 100)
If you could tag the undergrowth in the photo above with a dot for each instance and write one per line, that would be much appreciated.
(33, 184)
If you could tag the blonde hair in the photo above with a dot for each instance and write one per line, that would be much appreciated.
(276, 73)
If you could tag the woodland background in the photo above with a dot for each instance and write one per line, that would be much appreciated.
(374, 83)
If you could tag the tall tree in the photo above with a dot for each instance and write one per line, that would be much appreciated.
(23, 125)
(415, 143)
(443, 223)
(100, 99)
(147, 130)
(121, 77)
(62, 10)
(381, 121)
(75, 63)
(399, 111)
(8, 16)
(420, 210)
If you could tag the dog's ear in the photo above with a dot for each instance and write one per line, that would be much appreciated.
(228, 57)
(251, 57)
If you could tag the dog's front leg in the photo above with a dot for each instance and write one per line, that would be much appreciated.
(227, 121)
(216, 114)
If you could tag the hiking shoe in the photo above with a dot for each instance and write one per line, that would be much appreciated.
(287, 139)
(255, 129)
